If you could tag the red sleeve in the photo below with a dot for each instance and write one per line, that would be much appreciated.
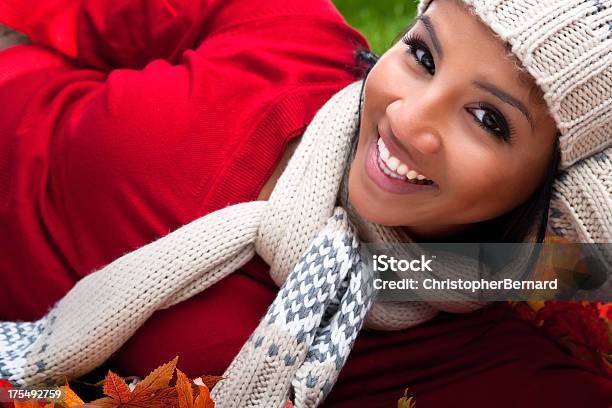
(51, 23)
(95, 164)
(108, 34)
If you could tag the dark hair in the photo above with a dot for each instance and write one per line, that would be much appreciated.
(526, 220)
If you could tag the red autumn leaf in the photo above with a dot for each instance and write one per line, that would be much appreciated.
(288, 404)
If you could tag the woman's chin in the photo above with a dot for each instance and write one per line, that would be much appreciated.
(376, 212)
(367, 208)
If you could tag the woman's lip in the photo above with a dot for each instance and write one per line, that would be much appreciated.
(386, 183)
(395, 151)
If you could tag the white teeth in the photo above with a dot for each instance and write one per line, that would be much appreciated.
(388, 172)
(393, 167)
(393, 162)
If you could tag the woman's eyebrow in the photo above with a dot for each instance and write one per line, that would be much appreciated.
(492, 89)
(432, 33)
(504, 97)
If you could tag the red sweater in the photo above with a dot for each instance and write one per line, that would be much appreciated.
(129, 118)
(166, 111)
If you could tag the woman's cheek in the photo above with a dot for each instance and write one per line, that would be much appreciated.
(474, 175)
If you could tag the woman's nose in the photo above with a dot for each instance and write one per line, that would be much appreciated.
(415, 125)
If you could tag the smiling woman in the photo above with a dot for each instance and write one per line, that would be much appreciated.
(451, 107)
(250, 131)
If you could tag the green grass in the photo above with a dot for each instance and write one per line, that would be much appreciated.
(380, 21)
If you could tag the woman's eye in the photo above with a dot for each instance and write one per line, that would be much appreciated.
(425, 59)
(491, 121)
(421, 53)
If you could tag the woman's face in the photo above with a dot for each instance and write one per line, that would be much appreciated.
(448, 104)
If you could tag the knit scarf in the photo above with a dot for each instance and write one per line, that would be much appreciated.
(311, 244)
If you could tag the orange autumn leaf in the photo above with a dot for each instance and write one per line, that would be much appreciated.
(26, 404)
(152, 392)
(164, 398)
(105, 402)
(71, 399)
(204, 400)
(157, 380)
(116, 388)
(184, 390)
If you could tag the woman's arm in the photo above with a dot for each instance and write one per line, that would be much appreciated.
(95, 164)
(51, 23)
(107, 34)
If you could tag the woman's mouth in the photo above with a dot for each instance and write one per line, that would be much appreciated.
(390, 174)
(393, 167)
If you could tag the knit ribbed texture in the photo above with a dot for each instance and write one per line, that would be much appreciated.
(566, 45)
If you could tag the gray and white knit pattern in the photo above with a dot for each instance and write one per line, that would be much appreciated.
(303, 341)
(308, 331)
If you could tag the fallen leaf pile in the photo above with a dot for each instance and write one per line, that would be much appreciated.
(154, 391)
(583, 329)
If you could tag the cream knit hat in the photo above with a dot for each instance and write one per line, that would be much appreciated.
(566, 45)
